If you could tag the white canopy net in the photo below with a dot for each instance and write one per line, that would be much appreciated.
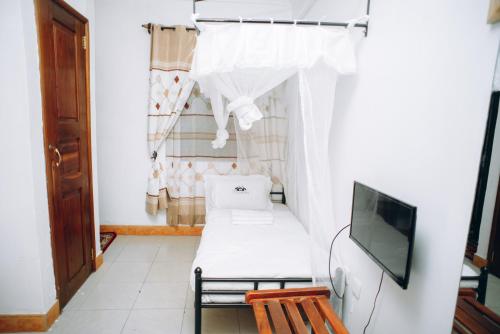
(242, 62)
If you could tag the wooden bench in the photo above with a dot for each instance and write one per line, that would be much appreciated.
(473, 317)
(288, 311)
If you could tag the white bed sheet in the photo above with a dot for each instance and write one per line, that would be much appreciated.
(278, 250)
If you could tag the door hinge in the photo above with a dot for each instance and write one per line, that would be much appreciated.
(84, 42)
(92, 253)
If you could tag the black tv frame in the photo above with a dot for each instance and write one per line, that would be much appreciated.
(401, 282)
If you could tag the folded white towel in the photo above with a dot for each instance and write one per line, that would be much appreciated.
(257, 217)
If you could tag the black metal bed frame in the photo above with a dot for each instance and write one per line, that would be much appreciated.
(199, 291)
(482, 280)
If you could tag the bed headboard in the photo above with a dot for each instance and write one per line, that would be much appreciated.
(282, 193)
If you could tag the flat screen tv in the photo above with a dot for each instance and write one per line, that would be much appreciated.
(384, 228)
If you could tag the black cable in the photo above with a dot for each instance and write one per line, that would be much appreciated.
(330, 260)
(374, 302)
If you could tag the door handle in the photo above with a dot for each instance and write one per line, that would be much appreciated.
(56, 151)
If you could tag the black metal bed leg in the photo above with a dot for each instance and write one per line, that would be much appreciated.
(483, 283)
(197, 301)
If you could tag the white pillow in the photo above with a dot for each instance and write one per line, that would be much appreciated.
(250, 192)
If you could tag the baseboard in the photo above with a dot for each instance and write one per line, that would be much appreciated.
(152, 230)
(29, 322)
(98, 261)
(479, 261)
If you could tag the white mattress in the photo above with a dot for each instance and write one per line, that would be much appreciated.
(278, 250)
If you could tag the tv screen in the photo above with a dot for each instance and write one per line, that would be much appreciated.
(384, 228)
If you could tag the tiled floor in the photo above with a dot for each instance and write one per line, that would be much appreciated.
(142, 287)
(493, 294)
(492, 290)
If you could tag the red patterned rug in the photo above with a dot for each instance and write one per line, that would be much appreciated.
(106, 239)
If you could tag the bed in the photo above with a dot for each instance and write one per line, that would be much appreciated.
(233, 259)
(472, 279)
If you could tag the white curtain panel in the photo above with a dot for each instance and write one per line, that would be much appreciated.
(243, 61)
(296, 187)
(317, 96)
(263, 148)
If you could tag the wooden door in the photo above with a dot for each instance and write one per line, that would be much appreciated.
(63, 63)
(494, 245)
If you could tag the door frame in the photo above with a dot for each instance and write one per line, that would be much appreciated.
(40, 7)
(483, 173)
(494, 227)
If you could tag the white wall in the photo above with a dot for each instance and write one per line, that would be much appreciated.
(27, 277)
(122, 55)
(490, 196)
(411, 123)
(27, 284)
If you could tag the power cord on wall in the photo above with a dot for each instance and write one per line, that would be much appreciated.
(333, 286)
(374, 302)
(330, 260)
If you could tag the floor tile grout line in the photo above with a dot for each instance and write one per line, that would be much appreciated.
(109, 264)
(120, 250)
(184, 309)
(126, 320)
(145, 278)
(140, 290)
(88, 293)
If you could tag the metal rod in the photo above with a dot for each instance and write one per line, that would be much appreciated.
(367, 13)
(226, 305)
(223, 292)
(197, 300)
(149, 26)
(260, 280)
(263, 21)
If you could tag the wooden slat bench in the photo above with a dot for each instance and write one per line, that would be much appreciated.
(288, 310)
(473, 317)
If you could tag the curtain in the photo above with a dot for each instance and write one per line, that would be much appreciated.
(317, 97)
(295, 189)
(263, 148)
(241, 88)
(170, 87)
(243, 61)
(190, 157)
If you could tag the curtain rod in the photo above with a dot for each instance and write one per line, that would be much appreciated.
(298, 22)
(149, 27)
(308, 23)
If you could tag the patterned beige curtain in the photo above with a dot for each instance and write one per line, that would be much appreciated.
(170, 87)
(190, 156)
(263, 148)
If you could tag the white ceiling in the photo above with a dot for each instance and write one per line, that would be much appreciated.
(298, 8)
